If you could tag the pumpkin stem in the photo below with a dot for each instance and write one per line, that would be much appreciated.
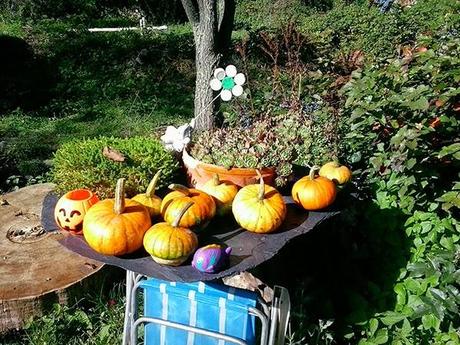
(181, 213)
(179, 188)
(215, 179)
(313, 171)
(153, 185)
(261, 194)
(119, 205)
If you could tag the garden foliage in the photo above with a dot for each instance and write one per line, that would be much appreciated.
(340, 25)
(81, 164)
(403, 135)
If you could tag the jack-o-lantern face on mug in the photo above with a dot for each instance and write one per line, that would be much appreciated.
(71, 209)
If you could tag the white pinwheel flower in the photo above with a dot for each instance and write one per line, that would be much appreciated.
(229, 81)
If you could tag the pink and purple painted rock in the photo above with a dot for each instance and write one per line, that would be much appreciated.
(211, 258)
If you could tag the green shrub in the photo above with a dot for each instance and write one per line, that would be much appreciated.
(81, 164)
(359, 27)
(341, 25)
(403, 134)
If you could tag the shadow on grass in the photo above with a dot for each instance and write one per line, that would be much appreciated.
(136, 72)
(26, 79)
(345, 269)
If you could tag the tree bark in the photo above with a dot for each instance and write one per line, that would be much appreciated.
(212, 22)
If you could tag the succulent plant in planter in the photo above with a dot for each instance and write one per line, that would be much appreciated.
(278, 142)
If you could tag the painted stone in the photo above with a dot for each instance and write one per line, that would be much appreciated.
(211, 258)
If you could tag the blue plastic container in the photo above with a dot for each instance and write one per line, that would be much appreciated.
(205, 305)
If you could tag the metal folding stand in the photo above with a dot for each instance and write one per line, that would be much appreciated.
(273, 318)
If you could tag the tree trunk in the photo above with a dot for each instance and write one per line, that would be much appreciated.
(212, 22)
(207, 60)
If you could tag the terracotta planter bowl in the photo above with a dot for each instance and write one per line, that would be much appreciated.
(198, 173)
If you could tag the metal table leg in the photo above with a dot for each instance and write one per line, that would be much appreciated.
(128, 311)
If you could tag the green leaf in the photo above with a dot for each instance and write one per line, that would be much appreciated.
(406, 328)
(413, 285)
(420, 104)
(447, 242)
(400, 294)
(373, 325)
(392, 318)
(430, 321)
(104, 333)
(381, 337)
(438, 294)
(410, 163)
(449, 150)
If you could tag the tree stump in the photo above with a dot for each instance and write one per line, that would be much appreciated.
(36, 271)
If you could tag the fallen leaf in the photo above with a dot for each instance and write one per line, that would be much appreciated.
(439, 103)
(436, 122)
(113, 154)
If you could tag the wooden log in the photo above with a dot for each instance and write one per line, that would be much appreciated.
(36, 270)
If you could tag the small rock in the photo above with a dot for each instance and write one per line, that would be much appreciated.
(247, 281)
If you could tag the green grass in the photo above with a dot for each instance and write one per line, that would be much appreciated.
(115, 84)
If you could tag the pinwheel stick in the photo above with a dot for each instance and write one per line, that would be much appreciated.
(205, 108)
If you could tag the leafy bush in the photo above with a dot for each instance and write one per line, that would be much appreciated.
(403, 135)
(81, 164)
(343, 26)
(359, 27)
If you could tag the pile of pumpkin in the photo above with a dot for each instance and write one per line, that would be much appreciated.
(120, 226)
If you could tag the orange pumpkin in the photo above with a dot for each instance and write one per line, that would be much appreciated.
(336, 172)
(197, 216)
(71, 209)
(259, 208)
(314, 193)
(149, 199)
(171, 244)
(223, 193)
(116, 226)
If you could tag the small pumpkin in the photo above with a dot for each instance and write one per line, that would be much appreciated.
(149, 199)
(336, 172)
(71, 208)
(197, 216)
(116, 226)
(259, 208)
(171, 244)
(223, 192)
(314, 192)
